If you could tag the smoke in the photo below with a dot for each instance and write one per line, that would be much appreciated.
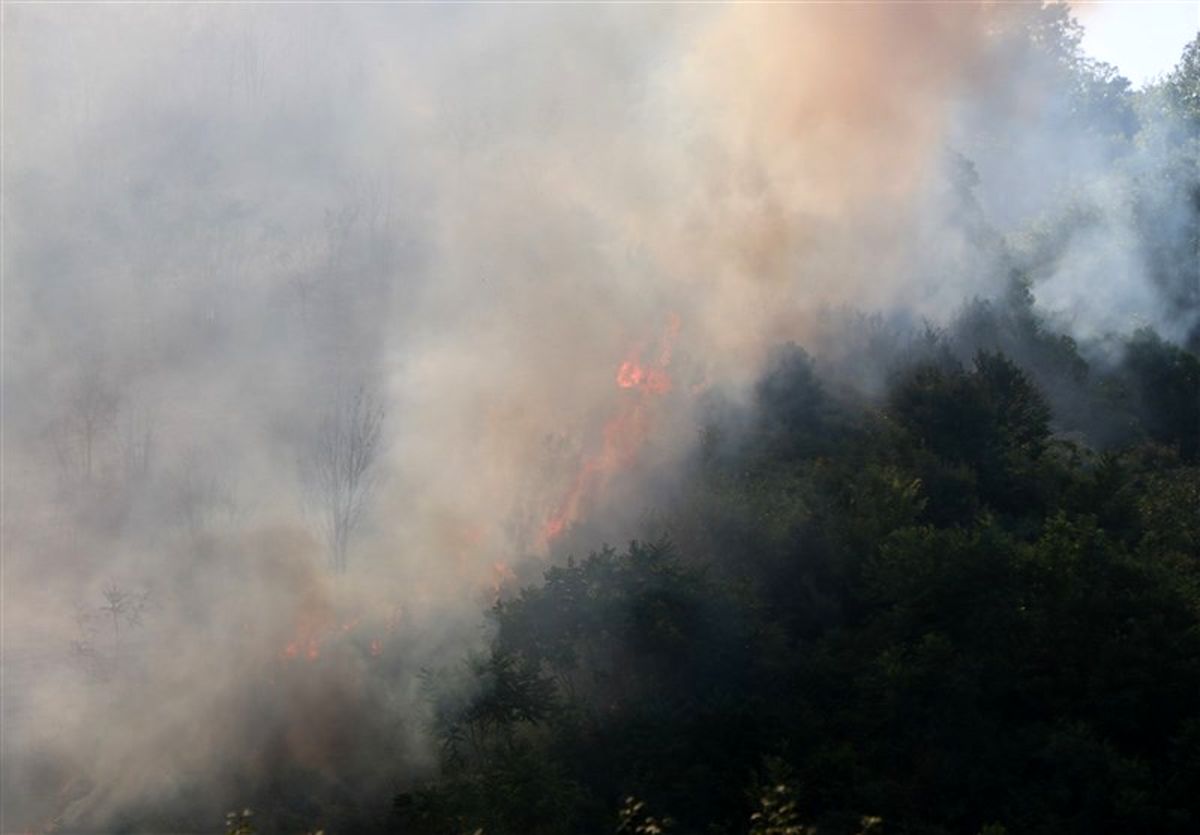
(537, 235)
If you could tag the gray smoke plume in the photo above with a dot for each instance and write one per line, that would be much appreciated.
(417, 291)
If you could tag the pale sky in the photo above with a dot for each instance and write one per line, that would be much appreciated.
(1143, 38)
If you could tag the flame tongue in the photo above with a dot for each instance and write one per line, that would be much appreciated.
(623, 434)
(632, 375)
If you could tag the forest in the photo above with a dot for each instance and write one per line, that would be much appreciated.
(941, 611)
(545, 420)
(966, 602)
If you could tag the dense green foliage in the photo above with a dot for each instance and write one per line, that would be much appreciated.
(956, 593)
(930, 607)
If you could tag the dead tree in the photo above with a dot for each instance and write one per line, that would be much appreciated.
(202, 498)
(339, 469)
(123, 607)
(91, 409)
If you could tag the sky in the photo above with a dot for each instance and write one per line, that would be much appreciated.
(1143, 38)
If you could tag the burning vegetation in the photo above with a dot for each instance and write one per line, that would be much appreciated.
(551, 420)
(622, 435)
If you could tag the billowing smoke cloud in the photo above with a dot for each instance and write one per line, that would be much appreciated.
(523, 241)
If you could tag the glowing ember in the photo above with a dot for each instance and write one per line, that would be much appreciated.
(321, 635)
(309, 647)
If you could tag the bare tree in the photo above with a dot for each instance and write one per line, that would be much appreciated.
(84, 646)
(202, 497)
(91, 410)
(137, 442)
(339, 469)
(122, 606)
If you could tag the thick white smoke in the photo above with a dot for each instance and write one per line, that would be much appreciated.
(222, 223)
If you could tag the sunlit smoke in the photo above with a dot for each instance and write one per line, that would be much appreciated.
(539, 234)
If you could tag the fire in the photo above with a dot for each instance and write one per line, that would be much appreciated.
(651, 377)
(317, 637)
(623, 434)
(310, 648)
(502, 575)
(632, 375)
(554, 527)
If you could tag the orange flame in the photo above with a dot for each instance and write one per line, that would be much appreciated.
(623, 434)
(311, 648)
(502, 575)
(632, 375)
(320, 635)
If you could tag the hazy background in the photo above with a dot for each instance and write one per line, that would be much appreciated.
(529, 239)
